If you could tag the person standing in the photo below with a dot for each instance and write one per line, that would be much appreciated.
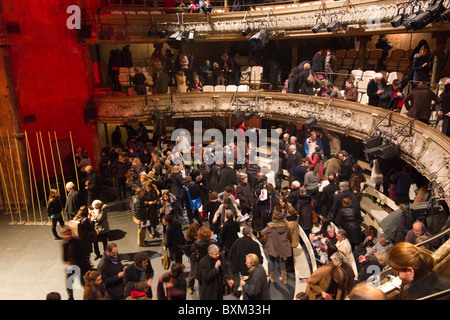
(99, 216)
(421, 66)
(74, 200)
(444, 111)
(112, 271)
(175, 284)
(214, 275)
(419, 102)
(174, 238)
(94, 288)
(138, 211)
(119, 170)
(277, 246)
(54, 211)
(92, 184)
(254, 286)
(375, 88)
(140, 270)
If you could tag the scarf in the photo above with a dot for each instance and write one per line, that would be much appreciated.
(143, 273)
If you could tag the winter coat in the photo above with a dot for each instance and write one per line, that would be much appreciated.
(305, 86)
(320, 280)
(177, 182)
(294, 234)
(256, 287)
(132, 275)
(277, 244)
(372, 88)
(240, 248)
(101, 222)
(421, 73)
(418, 102)
(228, 234)
(244, 194)
(109, 272)
(351, 219)
(304, 209)
(212, 282)
(227, 177)
(174, 239)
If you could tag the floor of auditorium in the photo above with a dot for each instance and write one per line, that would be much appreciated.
(32, 262)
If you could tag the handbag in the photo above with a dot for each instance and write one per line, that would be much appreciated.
(315, 219)
(310, 78)
(194, 204)
(165, 259)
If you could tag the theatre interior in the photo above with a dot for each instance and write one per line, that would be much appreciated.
(68, 79)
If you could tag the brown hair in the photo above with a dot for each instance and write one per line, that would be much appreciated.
(204, 234)
(406, 255)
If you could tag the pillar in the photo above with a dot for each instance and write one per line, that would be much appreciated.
(441, 39)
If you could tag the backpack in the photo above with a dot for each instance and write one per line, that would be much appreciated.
(195, 204)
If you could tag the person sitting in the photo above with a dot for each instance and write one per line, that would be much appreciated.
(391, 96)
(333, 92)
(350, 92)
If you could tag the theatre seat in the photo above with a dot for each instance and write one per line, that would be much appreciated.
(208, 88)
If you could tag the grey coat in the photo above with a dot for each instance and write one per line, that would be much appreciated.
(278, 244)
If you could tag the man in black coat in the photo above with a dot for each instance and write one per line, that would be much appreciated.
(74, 200)
(375, 88)
(240, 248)
(92, 185)
(294, 160)
(346, 166)
(112, 271)
(306, 87)
(227, 177)
(254, 286)
(294, 194)
(214, 275)
(140, 270)
(344, 192)
(325, 197)
(194, 193)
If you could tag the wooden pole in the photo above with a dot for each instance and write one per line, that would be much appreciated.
(60, 163)
(7, 195)
(8, 171)
(14, 178)
(42, 169)
(27, 146)
(34, 179)
(54, 168)
(21, 178)
(74, 161)
(46, 166)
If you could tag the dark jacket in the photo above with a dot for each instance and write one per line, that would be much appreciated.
(293, 83)
(305, 86)
(387, 100)
(119, 169)
(346, 169)
(240, 248)
(137, 207)
(228, 234)
(177, 183)
(194, 193)
(174, 239)
(244, 194)
(132, 276)
(255, 287)
(325, 198)
(212, 281)
(444, 100)
(428, 285)
(421, 73)
(110, 271)
(227, 177)
(372, 88)
(418, 102)
(304, 209)
(73, 203)
(351, 219)
(337, 203)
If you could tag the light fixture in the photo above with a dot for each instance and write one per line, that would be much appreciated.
(319, 26)
(237, 113)
(191, 35)
(333, 25)
(373, 142)
(388, 151)
(259, 39)
(176, 40)
(310, 123)
(399, 18)
(250, 113)
(425, 18)
(170, 113)
(246, 31)
(407, 22)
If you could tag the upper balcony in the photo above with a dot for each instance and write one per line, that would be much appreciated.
(133, 21)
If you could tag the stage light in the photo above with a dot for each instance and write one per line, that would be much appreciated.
(399, 19)
(246, 31)
(373, 142)
(334, 24)
(169, 114)
(259, 39)
(176, 40)
(249, 114)
(310, 123)
(191, 35)
(407, 22)
(237, 113)
(425, 18)
(388, 151)
(319, 26)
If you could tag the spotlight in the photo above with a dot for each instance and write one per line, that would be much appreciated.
(237, 113)
(370, 154)
(319, 26)
(398, 20)
(246, 31)
(191, 35)
(388, 151)
(250, 113)
(176, 40)
(425, 18)
(310, 123)
(407, 22)
(259, 39)
(373, 142)
(333, 25)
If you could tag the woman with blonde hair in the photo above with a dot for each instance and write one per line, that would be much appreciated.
(415, 267)
(54, 210)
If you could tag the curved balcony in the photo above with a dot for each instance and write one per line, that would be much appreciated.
(283, 22)
(420, 145)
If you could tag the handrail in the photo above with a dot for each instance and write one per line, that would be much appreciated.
(437, 295)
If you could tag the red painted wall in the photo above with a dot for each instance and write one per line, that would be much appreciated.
(52, 73)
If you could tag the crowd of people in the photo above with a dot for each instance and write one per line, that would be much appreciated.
(231, 209)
